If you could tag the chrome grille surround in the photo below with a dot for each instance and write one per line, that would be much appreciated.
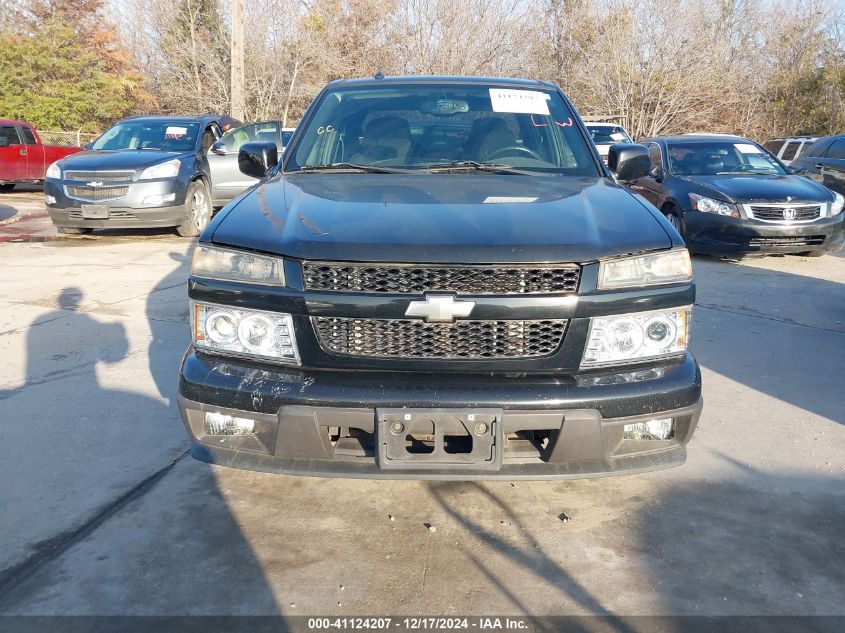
(103, 176)
(96, 194)
(416, 279)
(462, 340)
(774, 211)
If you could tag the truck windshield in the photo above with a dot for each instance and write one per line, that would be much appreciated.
(723, 157)
(170, 136)
(438, 127)
(608, 134)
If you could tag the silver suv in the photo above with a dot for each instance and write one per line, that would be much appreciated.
(789, 148)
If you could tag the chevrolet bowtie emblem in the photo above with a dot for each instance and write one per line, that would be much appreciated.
(439, 308)
(95, 183)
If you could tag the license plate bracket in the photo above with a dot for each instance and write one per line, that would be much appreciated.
(95, 211)
(439, 439)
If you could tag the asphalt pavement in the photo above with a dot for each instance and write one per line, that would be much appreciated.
(104, 512)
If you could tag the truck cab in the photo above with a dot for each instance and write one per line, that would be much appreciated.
(23, 157)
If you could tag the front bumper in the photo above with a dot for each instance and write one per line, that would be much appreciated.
(128, 211)
(331, 423)
(711, 234)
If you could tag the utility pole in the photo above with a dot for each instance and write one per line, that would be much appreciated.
(237, 54)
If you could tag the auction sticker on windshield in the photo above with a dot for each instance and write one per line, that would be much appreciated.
(175, 132)
(519, 101)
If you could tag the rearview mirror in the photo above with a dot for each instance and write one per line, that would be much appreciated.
(219, 148)
(628, 161)
(256, 159)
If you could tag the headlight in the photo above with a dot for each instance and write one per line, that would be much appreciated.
(254, 333)
(838, 203)
(709, 205)
(222, 263)
(168, 169)
(628, 338)
(53, 171)
(667, 267)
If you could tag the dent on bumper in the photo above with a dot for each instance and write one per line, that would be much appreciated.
(327, 423)
(708, 233)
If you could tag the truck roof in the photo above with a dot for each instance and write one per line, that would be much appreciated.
(14, 122)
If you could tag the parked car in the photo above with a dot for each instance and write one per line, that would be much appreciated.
(606, 134)
(23, 157)
(729, 196)
(787, 149)
(824, 162)
(227, 179)
(147, 171)
(440, 279)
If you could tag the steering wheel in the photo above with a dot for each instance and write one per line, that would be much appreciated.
(510, 150)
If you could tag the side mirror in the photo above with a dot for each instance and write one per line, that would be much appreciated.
(219, 148)
(656, 173)
(4, 141)
(255, 159)
(629, 161)
(88, 146)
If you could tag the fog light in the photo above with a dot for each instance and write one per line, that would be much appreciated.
(159, 199)
(48, 199)
(651, 430)
(224, 424)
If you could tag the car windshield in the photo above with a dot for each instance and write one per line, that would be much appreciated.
(607, 134)
(721, 157)
(445, 128)
(170, 136)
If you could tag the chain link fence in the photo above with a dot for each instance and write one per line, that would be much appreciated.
(66, 139)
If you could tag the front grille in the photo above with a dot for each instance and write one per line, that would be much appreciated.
(808, 240)
(410, 338)
(775, 213)
(96, 194)
(99, 175)
(416, 279)
(122, 214)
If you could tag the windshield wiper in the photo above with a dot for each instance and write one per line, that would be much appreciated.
(352, 168)
(746, 171)
(477, 166)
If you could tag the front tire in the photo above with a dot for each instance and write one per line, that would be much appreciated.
(7, 187)
(197, 210)
(673, 216)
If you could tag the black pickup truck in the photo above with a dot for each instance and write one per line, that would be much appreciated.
(441, 279)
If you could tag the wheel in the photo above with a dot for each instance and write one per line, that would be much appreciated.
(7, 187)
(197, 211)
(74, 230)
(816, 253)
(671, 214)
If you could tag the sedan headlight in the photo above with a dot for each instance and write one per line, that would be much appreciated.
(667, 267)
(53, 171)
(630, 338)
(838, 203)
(168, 169)
(709, 205)
(253, 333)
(231, 265)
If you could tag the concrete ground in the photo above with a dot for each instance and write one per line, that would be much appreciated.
(103, 511)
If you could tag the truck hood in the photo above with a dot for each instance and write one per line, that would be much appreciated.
(484, 218)
(753, 188)
(119, 159)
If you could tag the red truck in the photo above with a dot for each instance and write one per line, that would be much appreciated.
(23, 157)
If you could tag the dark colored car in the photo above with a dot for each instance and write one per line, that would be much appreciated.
(824, 162)
(729, 196)
(441, 280)
(149, 171)
(23, 156)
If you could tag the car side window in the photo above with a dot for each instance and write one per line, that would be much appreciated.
(837, 149)
(789, 150)
(773, 146)
(28, 136)
(10, 134)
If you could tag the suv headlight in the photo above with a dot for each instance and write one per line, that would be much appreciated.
(838, 203)
(167, 169)
(709, 205)
(231, 265)
(666, 267)
(53, 171)
(254, 333)
(630, 338)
